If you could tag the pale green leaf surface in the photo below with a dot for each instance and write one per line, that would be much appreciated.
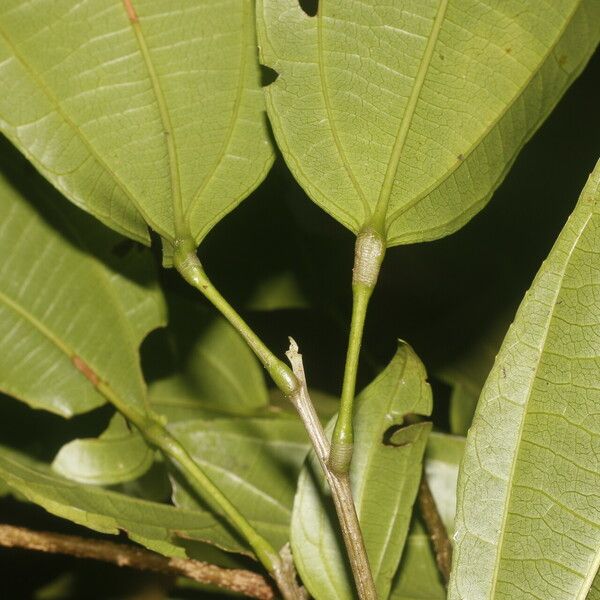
(255, 462)
(118, 455)
(442, 459)
(528, 518)
(385, 478)
(160, 527)
(62, 306)
(406, 115)
(157, 122)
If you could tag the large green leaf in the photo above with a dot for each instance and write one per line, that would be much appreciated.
(146, 114)
(406, 115)
(385, 474)
(160, 527)
(71, 311)
(254, 461)
(120, 454)
(528, 518)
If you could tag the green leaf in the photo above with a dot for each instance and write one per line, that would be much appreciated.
(68, 315)
(418, 577)
(216, 372)
(442, 459)
(254, 462)
(160, 527)
(385, 472)
(141, 115)
(120, 454)
(528, 519)
(406, 116)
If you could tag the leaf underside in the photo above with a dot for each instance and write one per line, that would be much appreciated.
(405, 116)
(152, 121)
(119, 455)
(214, 370)
(160, 527)
(528, 519)
(68, 319)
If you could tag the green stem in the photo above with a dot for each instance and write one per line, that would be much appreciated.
(187, 263)
(369, 253)
(157, 434)
(342, 441)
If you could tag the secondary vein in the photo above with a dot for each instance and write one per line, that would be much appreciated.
(328, 110)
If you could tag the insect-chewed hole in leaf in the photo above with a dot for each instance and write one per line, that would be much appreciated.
(310, 7)
(267, 75)
(402, 435)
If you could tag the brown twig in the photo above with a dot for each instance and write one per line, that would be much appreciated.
(442, 547)
(249, 583)
(339, 484)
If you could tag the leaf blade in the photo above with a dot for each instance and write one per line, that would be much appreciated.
(254, 461)
(160, 527)
(117, 128)
(372, 154)
(62, 313)
(533, 469)
(118, 455)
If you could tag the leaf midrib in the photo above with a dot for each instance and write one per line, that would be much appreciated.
(102, 275)
(50, 335)
(36, 324)
(235, 113)
(510, 478)
(54, 102)
(165, 117)
(486, 132)
(329, 112)
(380, 213)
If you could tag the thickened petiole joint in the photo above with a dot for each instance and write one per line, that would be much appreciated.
(368, 256)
